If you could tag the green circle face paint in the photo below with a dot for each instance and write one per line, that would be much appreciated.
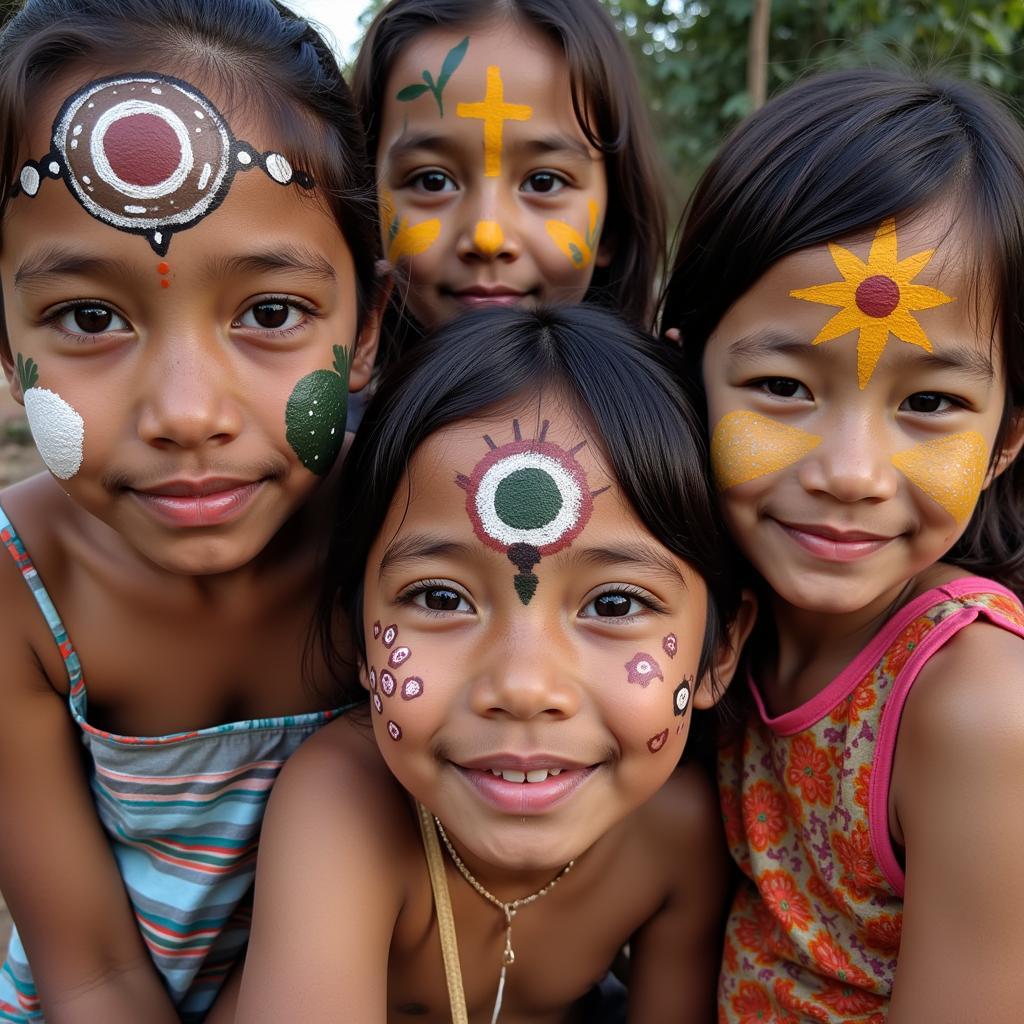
(527, 499)
(315, 414)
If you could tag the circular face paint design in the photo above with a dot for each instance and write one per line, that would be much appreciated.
(398, 655)
(373, 680)
(389, 637)
(378, 704)
(412, 688)
(681, 697)
(387, 683)
(642, 669)
(376, 630)
(147, 154)
(670, 645)
(655, 743)
(394, 731)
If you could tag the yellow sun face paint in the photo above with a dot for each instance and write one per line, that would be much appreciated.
(488, 237)
(494, 112)
(950, 470)
(746, 445)
(579, 249)
(404, 239)
(876, 297)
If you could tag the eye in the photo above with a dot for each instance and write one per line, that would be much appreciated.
(614, 604)
(90, 318)
(783, 387)
(272, 315)
(433, 181)
(544, 183)
(928, 402)
(436, 597)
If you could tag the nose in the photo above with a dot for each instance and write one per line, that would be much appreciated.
(531, 677)
(187, 399)
(853, 463)
(489, 231)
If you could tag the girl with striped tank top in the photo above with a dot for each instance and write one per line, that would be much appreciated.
(848, 290)
(188, 281)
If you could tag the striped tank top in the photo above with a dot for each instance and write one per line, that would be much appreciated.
(183, 814)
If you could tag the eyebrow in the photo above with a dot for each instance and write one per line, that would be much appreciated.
(290, 258)
(408, 142)
(554, 144)
(653, 561)
(767, 342)
(58, 262)
(415, 546)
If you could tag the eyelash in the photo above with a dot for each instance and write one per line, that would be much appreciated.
(409, 595)
(627, 590)
(51, 318)
(285, 300)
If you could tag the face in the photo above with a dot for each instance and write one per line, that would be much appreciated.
(491, 194)
(531, 648)
(185, 377)
(854, 400)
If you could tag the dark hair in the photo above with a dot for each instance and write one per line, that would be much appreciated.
(834, 156)
(609, 108)
(625, 387)
(260, 54)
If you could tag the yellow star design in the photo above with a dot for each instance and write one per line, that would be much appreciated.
(877, 297)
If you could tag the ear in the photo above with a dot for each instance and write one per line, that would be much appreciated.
(365, 354)
(13, 380)
(364, 675)
(673, 335)
(1011, 446)
(728, 654)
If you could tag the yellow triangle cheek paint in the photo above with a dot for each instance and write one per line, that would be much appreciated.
(950, 470)
(746, 445)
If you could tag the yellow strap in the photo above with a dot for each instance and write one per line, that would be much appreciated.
(445, 919)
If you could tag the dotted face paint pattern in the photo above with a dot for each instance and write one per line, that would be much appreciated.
(394, 731)
(412, 688)
(399, 655)
(527, 498)
(746, 445)
(57, 428)
(494, 112)
(877, 298)
(147, 154)
(387, 683)
(642, 670)
(950, 470)
(670, 645)
(390, 636)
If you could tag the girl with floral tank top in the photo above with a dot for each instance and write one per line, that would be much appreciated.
(863, 366)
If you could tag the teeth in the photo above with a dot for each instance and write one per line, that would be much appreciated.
(537, 775)
(554, 771)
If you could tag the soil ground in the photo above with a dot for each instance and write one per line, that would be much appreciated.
(18, 459)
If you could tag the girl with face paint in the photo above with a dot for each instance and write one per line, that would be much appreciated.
(188, 296)
(847, 288)
(516, 162)
(514, 573)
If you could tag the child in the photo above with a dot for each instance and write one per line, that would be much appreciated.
(187, 285)
(542, 595)
(514, 154)
(848, 287)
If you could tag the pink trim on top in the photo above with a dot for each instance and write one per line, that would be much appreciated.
(889, 724)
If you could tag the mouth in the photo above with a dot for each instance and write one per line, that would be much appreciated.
(211, 501)
(488, 295)
(525, 786)
(833, 544)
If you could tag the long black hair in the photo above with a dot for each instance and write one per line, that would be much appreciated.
(835, 156)
(627, 391)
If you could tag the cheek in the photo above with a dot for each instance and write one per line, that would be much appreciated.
(58, 430)
(746, 445)
(950, 470)
(577, 242)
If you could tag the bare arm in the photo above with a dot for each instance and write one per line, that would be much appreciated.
(328, 886)
(958, 787)
(56, 870)
(675, 955)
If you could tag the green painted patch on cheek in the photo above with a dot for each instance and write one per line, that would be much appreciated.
(316, 412)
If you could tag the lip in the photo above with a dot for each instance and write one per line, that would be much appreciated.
(488, 295)
(213, 501)
(832, 544)
(525, 798)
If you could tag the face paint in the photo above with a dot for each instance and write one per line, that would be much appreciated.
(148, 154)
(389, 637)
(642, 669)
(451, 61)
(681, 697)
(670, 645)
(405, 239)
(394, 731)
(950, 470)
(578, 249)
(57, 429)
(494, 112)
(488, 237)
(876, 297)
(528, 499)
(746, 445)
(655, 743)
(412, 688)
(316, 412)
(163, 269)
(378, 704)
(376, 630)
(398, 655)
(387, 683)
(373, 680)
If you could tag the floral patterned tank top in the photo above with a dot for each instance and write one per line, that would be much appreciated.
(814, 930)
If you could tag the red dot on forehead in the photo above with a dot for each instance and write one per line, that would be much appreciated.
(878, 296)
(142, 149)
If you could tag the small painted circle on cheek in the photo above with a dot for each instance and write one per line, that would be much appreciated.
(655, 743)
(670, 645)
(642, 670)
(412, 688)
(373, 680)
(681, 697)
(376, 630)
(398, 655)
(378, 704)
(387, 683)
(390, 636)
(394, 731)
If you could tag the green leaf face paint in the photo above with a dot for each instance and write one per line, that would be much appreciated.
(451, 61)
(315, 414)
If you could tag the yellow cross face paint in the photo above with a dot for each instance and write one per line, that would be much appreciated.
(494, 112)
(488, 237)
(746, 445)
(950, 470)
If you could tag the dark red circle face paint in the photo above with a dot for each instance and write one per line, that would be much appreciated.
(142, 149)
(877, 296)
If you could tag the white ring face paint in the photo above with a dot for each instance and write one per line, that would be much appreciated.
(58, 431)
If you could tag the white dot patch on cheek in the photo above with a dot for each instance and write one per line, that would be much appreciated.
(58, 431)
